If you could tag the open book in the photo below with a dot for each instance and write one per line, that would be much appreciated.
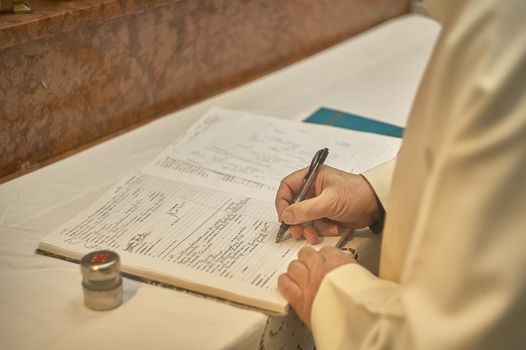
(201, 215)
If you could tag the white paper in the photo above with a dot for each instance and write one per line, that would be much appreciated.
(166, 166)
(259, 151)
(202, 216)
(197, 235)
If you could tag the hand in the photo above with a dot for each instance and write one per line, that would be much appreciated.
(304, 276)
(337, 199)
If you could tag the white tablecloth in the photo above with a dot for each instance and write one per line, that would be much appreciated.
(374, 74)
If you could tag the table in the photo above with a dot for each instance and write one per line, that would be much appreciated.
(374, 74)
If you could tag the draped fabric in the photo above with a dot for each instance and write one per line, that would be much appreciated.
(454, 243)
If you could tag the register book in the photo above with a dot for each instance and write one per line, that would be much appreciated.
(201, 215)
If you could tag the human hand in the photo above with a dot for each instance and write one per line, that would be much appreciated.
(304, 276)
(337, 199)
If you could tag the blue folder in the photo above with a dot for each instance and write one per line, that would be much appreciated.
(355, 122)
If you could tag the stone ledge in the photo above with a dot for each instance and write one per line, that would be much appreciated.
(108, 66)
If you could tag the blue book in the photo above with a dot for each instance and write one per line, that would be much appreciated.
(355, 122)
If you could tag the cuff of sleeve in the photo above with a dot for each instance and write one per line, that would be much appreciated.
(378, 226)
(380, 179)
(348, 303)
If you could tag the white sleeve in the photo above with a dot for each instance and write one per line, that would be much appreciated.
(351, 305)
(380, 179)
(463, 284)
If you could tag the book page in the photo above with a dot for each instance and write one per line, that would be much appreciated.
(167, 166)
(257, 152)
(192, 237)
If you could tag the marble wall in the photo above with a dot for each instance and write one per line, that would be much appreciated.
(71, 76)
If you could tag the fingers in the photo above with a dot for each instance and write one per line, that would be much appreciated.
(299, 273)
(290, 290)
(335, 257)
(300, 284)
(329, 252)
(307, 231)
(326, 227)
(308, 210)
(340, 196)
(311, 234)
(310, 258)
(328, 257)
(296, 231)
(288, 188)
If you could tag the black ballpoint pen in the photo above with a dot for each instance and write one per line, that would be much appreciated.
(314, 169)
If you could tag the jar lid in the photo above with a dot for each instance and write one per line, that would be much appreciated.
(100, 265)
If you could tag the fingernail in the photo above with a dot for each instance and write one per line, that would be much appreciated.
(333, 230)
(288, 217)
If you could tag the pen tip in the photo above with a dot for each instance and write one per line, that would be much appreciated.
(283, 228)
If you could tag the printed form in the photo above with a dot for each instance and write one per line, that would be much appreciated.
(201, 216)
(247, 153)
(210, 240)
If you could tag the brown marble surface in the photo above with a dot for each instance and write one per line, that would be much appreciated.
(72, 79)
(52, 16)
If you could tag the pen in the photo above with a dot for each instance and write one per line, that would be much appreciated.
(344, 238)
(309, 178)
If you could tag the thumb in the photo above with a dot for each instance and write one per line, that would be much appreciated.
(307, 210)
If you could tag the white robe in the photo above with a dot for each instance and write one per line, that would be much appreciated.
(453, 259)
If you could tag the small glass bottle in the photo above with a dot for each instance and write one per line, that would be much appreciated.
(102, 281)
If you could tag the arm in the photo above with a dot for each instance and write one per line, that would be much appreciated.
(462, 285)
